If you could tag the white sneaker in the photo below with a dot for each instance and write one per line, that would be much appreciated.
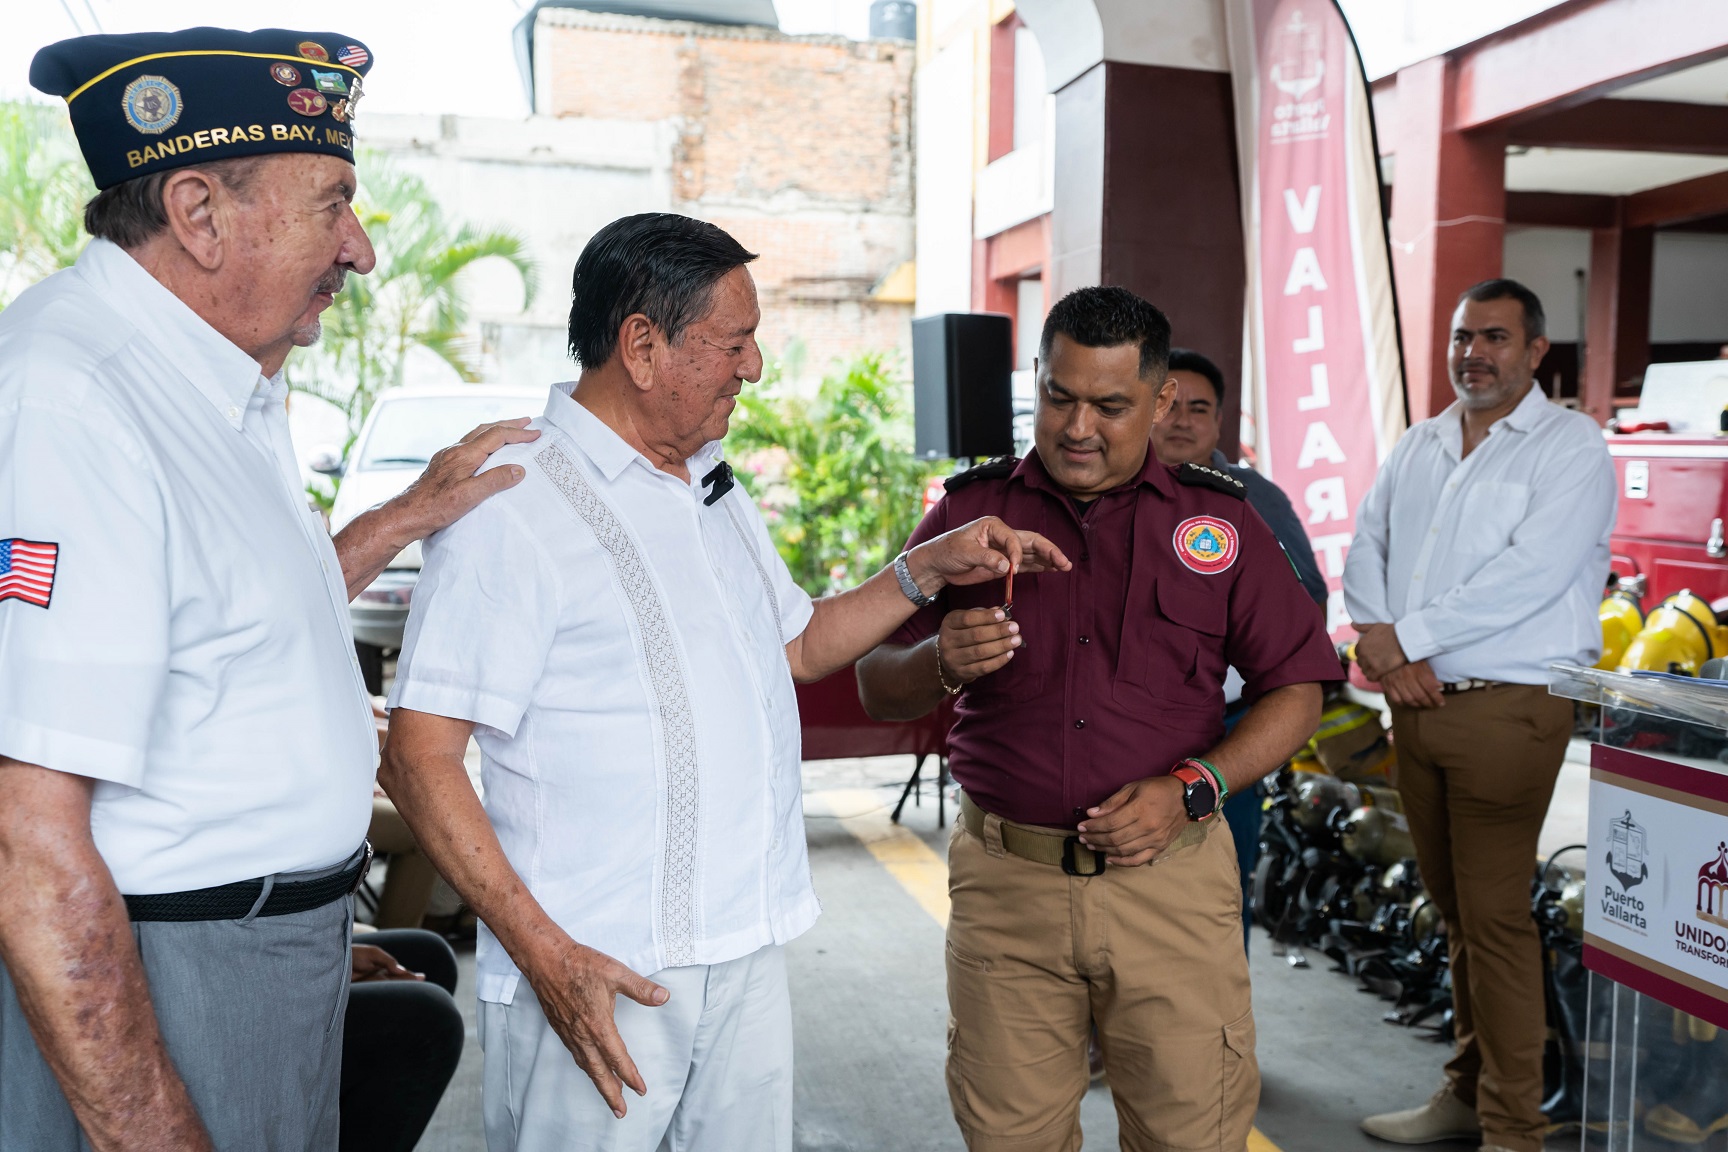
(1444, 1117)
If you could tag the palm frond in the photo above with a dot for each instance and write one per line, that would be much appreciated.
(412, 299)
(43, 187)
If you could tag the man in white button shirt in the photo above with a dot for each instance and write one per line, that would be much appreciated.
(621, 638)
(1479, 560)
(186, 751)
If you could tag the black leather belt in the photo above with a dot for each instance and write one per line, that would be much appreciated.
(235, 901)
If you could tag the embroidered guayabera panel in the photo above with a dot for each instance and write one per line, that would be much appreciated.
(678, 911)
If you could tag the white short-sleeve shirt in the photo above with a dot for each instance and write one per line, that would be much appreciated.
(194, 654)
(620, 645)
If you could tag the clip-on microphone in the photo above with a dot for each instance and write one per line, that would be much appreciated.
(720, 476)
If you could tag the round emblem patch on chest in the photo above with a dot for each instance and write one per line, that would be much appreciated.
(152, 104)
(1206, 544)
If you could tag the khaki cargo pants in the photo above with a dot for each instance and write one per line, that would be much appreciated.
(1152, 954)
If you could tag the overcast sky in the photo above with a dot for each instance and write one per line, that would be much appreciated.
(440, 56)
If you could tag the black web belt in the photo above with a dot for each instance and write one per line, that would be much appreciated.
(235, 901)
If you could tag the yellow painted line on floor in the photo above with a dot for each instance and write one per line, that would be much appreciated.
(917, 868)
(908, 859)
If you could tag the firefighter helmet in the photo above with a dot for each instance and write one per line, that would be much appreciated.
(1678, 636)
(1621, 622)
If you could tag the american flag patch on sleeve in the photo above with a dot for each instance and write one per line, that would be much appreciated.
(27, 571)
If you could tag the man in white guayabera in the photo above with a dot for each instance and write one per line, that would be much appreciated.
(622, 639)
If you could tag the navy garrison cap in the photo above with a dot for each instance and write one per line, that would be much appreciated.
(152, 101)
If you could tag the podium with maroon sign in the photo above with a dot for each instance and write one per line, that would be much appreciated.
(1654, 911)
(836, 727)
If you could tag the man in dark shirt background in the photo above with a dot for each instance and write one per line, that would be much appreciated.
(1190, 435)
(1089, 739)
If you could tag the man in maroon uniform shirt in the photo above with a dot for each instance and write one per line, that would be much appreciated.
(1090, 879)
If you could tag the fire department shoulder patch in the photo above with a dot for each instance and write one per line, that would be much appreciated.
(1206, 544)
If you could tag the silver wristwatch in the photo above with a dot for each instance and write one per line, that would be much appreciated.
(903, 573)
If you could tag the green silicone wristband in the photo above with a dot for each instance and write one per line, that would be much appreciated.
(1217, 778)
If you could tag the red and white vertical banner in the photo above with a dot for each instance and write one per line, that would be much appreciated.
(1323, 376)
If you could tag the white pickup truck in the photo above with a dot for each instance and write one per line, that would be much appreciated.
(406, 426)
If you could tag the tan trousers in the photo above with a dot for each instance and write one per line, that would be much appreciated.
(1476, 776)
(1152, 954)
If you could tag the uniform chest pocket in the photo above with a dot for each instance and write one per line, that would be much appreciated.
(1491, 511)
(1173, 648)
(1025, 676)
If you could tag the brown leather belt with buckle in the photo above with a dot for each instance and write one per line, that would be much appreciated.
(1057, 846)
(1468, 686)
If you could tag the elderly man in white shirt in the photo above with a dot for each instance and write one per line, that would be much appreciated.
(622, 639)
(1479, 560)
(186, 751)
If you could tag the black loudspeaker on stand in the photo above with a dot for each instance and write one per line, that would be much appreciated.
(962, 369)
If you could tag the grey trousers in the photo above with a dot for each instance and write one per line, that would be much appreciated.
(251, 1012)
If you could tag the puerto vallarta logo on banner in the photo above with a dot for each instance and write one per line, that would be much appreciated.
(1627, 849)
(1627, 845)
(1298, 48)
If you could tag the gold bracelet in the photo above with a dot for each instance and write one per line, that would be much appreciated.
(942, 676)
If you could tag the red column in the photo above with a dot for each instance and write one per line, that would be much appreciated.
(989, 294)
(1147, 197)
(1009, 257)
(1000, 140)
(1617, 320)
(1448, 222)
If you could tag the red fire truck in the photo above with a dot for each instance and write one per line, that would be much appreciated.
(1671, 464)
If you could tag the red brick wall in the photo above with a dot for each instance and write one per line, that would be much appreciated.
(799, 146)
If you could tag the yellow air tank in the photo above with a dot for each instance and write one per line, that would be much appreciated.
(1621, 622)
(1678, 636)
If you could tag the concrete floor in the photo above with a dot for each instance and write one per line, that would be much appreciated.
(870, 1009)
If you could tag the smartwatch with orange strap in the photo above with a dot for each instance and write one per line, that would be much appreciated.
(1200, 795)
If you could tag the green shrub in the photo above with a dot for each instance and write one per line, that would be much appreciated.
(834, 473)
